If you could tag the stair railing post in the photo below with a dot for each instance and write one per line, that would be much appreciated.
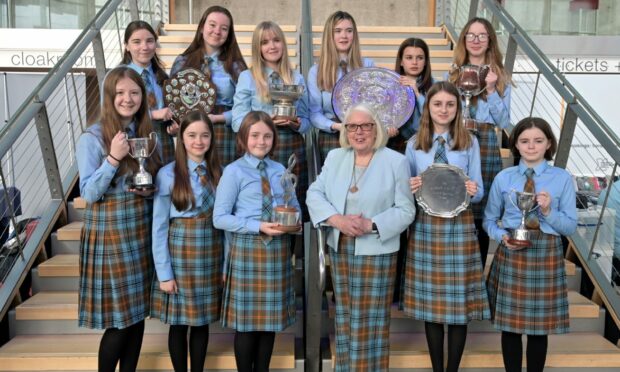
(133, 10)
(99, 56)
(50, 162)
(473, 9)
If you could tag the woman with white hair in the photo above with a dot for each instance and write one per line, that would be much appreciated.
(363, 194)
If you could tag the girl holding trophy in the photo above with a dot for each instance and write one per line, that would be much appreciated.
(187, 249)
(259, 298)
(527, 281)
(255, 92)
(140, 46)
(215, 52)
(340, 53)
(478, 45)
(115, 247)
(443, 281)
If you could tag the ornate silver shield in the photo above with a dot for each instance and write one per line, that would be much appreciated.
(189, 90)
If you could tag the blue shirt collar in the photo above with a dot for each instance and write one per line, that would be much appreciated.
(191, 165)
(538, 170)
(139, 69)
(445, 135)
(253, 160)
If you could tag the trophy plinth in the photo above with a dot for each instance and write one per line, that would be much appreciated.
(284, 97)
(287, 218)
(139, 150)
(283, 214)
(526, 203)
(470, 84)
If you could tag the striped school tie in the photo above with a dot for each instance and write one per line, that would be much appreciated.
(266, 190)
(344, 66)
(531, 220)
(207, 198)
(150, 92)
(440, 154)
(206, 69)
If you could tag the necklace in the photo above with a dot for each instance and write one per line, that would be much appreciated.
(353, 189)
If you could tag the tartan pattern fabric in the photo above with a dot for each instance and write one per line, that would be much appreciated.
(531, 220)
(258, 293)
(267, 200)
(328, 142)
(290, 142)
(167, 143)
(196, 254)
(443, 280)
(363, 287)
(225, 139)
(490, 163)
(440, 154)
(528, 290)
(116, 264)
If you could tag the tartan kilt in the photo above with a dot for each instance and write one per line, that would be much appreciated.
(290, 142)
(398, 143)
(167, 143)
(363, 287)
(225, 139)
(528, 290)
(116, 264)
(196, 254)
(490, 164)
(328, 142)
(443, 280)
(258, 293)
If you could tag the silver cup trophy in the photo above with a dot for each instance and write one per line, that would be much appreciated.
(286, 216)
(526, 203)
(284, 97)
(139, 150)
(470, 85)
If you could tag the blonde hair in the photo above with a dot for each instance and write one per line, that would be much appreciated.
(381, 133)
(258, 62)
(329, 61)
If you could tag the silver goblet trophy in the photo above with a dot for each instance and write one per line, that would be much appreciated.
(139, 150)
(470, 84)
(286, 216)
(284, 97)
(526, 203)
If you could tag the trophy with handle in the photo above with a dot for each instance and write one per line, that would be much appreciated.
(284, 97)
(139, 150)
(470, 85)
(526, 203)
(284, 214)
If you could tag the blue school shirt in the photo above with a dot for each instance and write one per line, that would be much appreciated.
(320, 105)
(238, 201)
(562, 219)
(246, 100)
(224, 83)
(96, 173)
(468, 160)
(157, 91)
(164, 211)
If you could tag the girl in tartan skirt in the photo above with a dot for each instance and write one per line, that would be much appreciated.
(413, 63)
(140, 46)
(115, 247)
(215, 52)
(187, 249)
(443, 282)
(478, 45)
(527, 286)
(270, 65)
(340, 53)
(363, 194)
(259, 299)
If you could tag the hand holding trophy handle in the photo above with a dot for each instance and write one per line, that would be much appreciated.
(525, 203)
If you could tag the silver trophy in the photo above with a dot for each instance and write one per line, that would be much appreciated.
(286, 216)
(471, 83)
(284, 97)
(526, 203)
(139, 150)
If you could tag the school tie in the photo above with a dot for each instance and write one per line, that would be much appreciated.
(275, 78)
(440, 154)
(531, 220)
(150, 93)
(206, 198)
(266, 189)
(206, 69)
(201, 170)
(344, 66)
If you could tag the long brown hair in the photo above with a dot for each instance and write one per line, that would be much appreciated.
(250, 119)
(461, 139)
(182, 194)
(329, 60)
(492, 57)
(156, 64)
(230, 54)
(426, 75)
(111, 121)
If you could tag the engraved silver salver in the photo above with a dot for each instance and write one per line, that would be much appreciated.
(443, 192)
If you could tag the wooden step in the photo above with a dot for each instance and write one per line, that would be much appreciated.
(483, 350)
(391, 29)
(79, 203)
(60, 265)
(388, 42)
(238, 28)
(387, 53)
(79, 352)
(244, 52)
(187, 39)
(70, 231)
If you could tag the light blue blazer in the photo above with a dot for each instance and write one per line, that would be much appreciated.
(383, 191)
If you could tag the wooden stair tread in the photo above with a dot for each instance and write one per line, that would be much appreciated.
(389, 42)
(79, 352)
(49, 306)
(60, 265)
(238, 28)
(244, 52)
(392, 53)
(390, 29)
(188, 39)
(70, 231)
(79, 203)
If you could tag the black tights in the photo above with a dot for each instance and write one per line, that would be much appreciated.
(457, 334)
(121, 345)
(512, 351)
(253, 350)
(483, 241)
(177, 345)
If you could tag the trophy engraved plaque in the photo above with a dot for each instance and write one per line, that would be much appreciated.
(189, 90)
(443, 192)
